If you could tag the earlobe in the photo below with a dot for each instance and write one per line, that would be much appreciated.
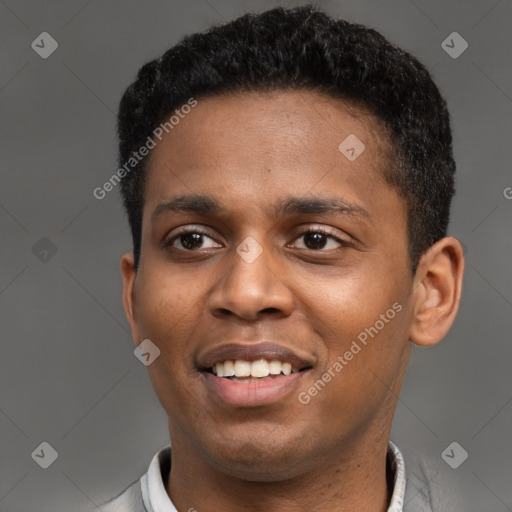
(128, 274)
(438, 286)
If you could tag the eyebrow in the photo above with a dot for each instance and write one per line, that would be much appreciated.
(291, 205)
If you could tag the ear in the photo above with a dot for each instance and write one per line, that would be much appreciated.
(128, 273)
(437, 289)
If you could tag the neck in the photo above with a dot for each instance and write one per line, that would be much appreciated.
(354, 479)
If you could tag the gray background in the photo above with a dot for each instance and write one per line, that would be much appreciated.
(68, 375)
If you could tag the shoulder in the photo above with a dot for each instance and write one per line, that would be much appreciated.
(431, 485)
(130, 500)
(148, 490)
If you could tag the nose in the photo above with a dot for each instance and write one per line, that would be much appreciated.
(251, 288)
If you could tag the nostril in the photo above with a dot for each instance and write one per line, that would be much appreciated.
(269, 310)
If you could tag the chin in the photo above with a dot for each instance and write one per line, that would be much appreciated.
(259, 460)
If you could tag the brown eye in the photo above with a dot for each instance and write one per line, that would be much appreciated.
(191, 240)
(317, 239)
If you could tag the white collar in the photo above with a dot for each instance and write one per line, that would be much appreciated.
(156, 499)
(397, 498)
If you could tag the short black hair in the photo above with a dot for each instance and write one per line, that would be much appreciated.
(304, 49)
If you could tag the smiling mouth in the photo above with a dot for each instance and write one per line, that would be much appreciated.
(254, 371)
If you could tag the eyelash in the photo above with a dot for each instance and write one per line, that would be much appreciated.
(168, 243)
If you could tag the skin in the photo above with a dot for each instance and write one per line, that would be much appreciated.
(249, 151)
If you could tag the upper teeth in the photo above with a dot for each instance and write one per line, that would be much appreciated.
(259, 368)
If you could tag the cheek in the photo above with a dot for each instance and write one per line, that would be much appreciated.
(363, 322)
(361, 374)
(167, 304)
(346, 305)
(168, 311)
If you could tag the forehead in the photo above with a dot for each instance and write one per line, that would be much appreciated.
(269, 144)
(298, 119)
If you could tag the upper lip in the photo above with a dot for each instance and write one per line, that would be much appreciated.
(252, 351)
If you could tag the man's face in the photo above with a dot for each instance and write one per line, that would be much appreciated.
(214, 294)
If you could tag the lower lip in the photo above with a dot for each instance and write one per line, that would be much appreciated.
(251, 394)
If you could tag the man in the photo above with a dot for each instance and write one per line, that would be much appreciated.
(288, 180)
